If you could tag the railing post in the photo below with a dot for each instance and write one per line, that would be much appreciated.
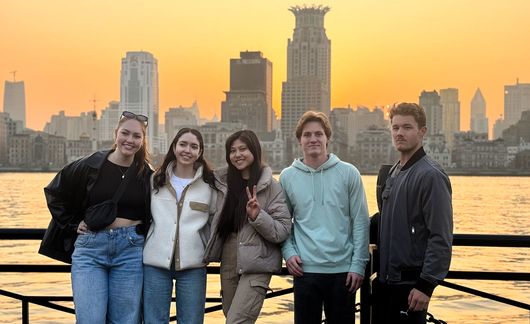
(366, 302)
(25, 312)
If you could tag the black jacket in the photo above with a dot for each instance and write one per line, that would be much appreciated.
(67, 196)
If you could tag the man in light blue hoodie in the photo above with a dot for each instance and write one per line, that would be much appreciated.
(328, 248)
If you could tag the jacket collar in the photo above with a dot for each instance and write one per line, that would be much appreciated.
(97, 159)
(414, 158)
(169, 172)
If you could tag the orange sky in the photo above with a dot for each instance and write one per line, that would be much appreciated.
(383, 51)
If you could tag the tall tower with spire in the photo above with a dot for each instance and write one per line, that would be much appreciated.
(479, 121)
(308, 69)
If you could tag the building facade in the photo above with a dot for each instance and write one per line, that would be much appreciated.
(214, 136)
(478, 121)
(139, 91)
(373, 148)
(108, 121)
(430, 101)
(450, 114)
(176, 118)
(37, 150)
(73, 127)
(249, 100)
(15, 101)
(516, 100)
(308, 70)
(347, 124)
(475, 151)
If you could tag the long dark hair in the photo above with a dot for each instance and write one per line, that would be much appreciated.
(159, 179)
(234, 212)
(142, 158)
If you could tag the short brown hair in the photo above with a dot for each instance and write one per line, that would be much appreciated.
(409, 109)
(313, 116)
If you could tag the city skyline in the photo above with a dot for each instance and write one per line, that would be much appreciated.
(382, 52)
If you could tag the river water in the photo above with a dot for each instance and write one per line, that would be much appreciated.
(482, 205)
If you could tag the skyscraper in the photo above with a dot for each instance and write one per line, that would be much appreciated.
(249, 100)
(479, 121)
(450, 114)
(516, 100)
(108, 120)
(15, 101)
(139, 91)
(430, 101)
(308, 69)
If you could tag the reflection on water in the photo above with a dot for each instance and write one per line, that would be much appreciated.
(485, 205)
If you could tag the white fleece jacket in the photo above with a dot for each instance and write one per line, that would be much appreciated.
(179, 229)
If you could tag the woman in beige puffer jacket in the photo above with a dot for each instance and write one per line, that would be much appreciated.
(251, 222)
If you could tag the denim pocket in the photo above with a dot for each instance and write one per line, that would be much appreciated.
(85, 240)
(135, 239)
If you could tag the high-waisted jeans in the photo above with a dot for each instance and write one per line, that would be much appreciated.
(107, 276)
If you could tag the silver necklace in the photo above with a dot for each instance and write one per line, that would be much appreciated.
(122, 172)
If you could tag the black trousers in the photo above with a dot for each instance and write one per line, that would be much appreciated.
(391, 305)
(314, 290)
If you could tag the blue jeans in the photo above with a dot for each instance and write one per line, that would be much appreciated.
(190, 292)
(107, 276)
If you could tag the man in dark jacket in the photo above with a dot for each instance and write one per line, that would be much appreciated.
(416, 225)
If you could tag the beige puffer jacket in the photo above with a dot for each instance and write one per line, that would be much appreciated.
(259, 248)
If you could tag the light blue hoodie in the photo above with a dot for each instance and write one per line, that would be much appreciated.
(330, 216)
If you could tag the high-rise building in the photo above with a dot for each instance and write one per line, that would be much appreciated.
(450, 114)
(72, 127)
(308, 70)
(498, 128)
(479, 121)
(139, 91)
(348, 123)
(15, 101)
(176, 118)
(430, 101)
(516, 100)
(108, 121)
(4, 122)
(249, 100)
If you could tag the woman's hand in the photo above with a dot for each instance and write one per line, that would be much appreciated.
(82, 228)
(253, 206)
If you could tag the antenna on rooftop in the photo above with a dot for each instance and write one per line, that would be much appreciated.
(14, 75)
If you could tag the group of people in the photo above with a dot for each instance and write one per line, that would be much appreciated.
(171, 222)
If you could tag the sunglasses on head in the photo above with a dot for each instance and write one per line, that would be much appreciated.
(131, 115)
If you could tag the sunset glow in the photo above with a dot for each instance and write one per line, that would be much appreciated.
(68, 51)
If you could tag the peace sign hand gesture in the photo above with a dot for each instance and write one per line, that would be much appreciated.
(253, 206)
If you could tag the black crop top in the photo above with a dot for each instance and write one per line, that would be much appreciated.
(131, 204)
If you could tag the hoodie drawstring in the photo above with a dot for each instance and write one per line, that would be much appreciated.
(322, 185)
(312, 184)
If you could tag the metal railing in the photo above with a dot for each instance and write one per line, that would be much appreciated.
(471, 240)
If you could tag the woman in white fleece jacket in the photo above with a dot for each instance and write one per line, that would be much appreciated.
(182, 204)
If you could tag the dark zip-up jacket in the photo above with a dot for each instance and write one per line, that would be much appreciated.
(416, 230)
(67, 196)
